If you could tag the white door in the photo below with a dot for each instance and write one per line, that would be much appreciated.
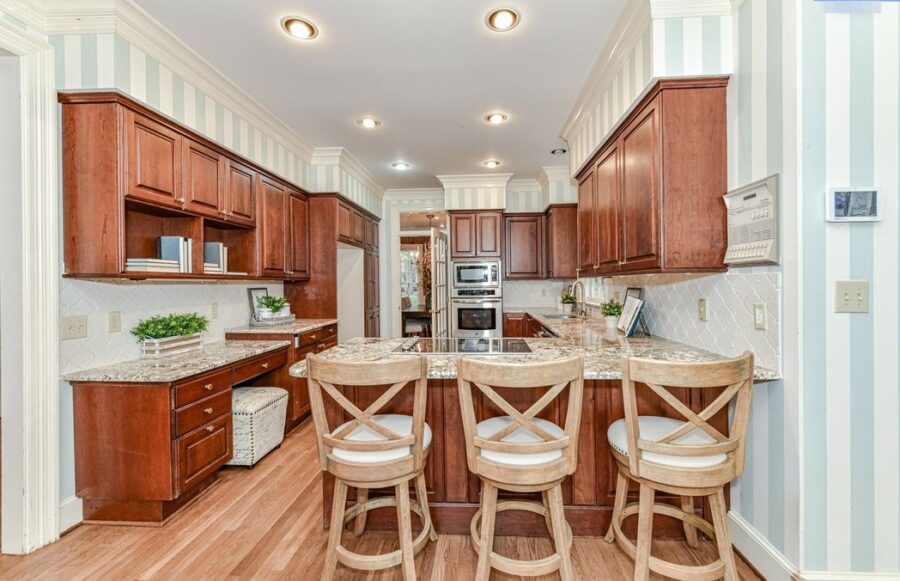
(440, 292)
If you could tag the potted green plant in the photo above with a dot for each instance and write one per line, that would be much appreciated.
(568, 299)
(612, 310)
(271, 306)
(170, 334)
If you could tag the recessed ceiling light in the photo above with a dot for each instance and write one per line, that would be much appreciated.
(299, 28)
(559, 151)
(496, 118)
(368, 122)
(400, 165)
(502, 19)
(491, 164)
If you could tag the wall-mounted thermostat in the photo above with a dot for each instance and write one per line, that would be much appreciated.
(753, 223)
(852, 205)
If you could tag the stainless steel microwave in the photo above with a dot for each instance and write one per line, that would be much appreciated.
(476, 274)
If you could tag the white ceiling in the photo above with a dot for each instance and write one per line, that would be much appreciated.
(428, 69)
(420, 221)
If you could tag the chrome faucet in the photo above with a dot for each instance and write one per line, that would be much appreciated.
(579, 306)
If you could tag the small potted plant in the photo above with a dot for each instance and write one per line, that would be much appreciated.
(568, 299)
(612, 310)
(270, 306)
(170, 334)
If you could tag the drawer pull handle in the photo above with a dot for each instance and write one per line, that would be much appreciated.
(265, 365)
(321, 345)
(312, 337)
(210, 428)
(208, 387)
(208, 411)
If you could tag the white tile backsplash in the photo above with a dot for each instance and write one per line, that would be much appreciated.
(532, 293)
(671, 311)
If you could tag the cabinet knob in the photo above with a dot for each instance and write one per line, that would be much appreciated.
(208, 411)
(210, 428)
(265, 365)
(208, 387)
(312, 336)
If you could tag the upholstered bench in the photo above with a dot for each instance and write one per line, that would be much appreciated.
(259, 414)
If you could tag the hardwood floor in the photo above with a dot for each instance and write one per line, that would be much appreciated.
(266, 523)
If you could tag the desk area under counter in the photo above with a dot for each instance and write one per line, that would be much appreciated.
(151, 434)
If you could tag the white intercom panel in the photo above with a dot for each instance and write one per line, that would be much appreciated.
(753, 223)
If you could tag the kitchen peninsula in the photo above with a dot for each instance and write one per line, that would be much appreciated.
(589, 493)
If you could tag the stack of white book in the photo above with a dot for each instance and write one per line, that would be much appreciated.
(151, 265)
(215, 258)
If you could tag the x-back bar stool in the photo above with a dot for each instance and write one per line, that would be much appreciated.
(686, 458)
(520, 452)
(373, 451)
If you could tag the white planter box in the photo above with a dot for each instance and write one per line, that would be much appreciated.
(156, 348)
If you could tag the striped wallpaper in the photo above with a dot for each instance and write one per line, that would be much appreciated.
(557, 185)
(493, 198)
(333, 178)
(525, 196)
(851, 401)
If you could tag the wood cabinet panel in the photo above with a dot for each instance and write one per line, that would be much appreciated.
(240, 193)
(462, 235)
(198, 413)
(489, 228)
(154, 161)
(359, 227)
(523, 258)
(204, 179)
(345, 223)
(560, 242)
(197, 389)
(371, 235)
(298, 236)
(202, 452)
(607, 253)
(587, 235)
(515, 325)
(271, 227)
(264, 364)
(640, 191)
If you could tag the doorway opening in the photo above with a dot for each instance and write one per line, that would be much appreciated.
(424, 295)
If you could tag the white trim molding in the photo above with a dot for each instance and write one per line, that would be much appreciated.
(30, 409)
(757, 549)
(70, 513)
(427, 196)
(496, 180)
(851, 576)
(342, 158)
(692, 8)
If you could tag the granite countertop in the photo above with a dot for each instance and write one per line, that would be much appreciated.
(177, 367)
(293, 328)
(602, 351)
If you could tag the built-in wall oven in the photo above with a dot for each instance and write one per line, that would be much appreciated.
(476, 306)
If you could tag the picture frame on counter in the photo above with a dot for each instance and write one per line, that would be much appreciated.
(634, 291)
(631, 312)
(254, 294)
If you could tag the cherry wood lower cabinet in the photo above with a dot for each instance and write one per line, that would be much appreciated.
(588, 494)
(144, 450)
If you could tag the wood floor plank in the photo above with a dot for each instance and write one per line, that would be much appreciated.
(266, 523)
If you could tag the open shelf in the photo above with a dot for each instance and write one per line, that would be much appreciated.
(239, 241)
(144, 224)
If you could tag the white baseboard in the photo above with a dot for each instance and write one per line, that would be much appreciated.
(827, 576)
(757, 549)
(70, 513)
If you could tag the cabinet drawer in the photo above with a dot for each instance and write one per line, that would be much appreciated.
(202, 452)
(316, 336)
(201, 387)
(256, 367)
(198, 413)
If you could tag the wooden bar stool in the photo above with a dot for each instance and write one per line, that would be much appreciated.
(373, 451)
(685, 458)
(520, 452)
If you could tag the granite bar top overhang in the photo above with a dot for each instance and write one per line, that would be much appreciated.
(177, 367)
(294, 328)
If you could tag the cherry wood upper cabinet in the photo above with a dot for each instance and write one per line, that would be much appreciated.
(345, 223)
(657, 185)
(587, 222)
(560, 240)
(204, 174)
(524, 246)
(489, 234)
(476, 234)
(153, 166)
(371, 235)
(358, 222)
(271, 227)
(240, 193)
(298, 236)
(462, 235)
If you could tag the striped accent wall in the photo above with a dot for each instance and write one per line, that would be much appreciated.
(851, 401)
(525, 196)
(108, 61)
(333, 178)
(692, 46)
(476, 198)
(557, 185)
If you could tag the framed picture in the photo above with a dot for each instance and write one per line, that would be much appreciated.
(630, 313)
(634, 291)
(255, 294)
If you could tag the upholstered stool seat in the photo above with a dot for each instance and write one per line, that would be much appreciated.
(397, 423)
(653, 429)
(489, 427)
(259, 414)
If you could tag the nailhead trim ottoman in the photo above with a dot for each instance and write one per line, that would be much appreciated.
(259, 415)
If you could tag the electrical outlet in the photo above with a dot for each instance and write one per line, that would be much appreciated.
(114, 318)
(851, 296)
(760, 317)
(73, 327)
(214, 311)
(701, 310)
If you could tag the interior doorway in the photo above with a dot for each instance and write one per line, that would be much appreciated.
(422, 273)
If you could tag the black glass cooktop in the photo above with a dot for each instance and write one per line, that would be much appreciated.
(468, 346)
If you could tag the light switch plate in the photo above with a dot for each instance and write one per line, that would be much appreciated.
(760, 317)
(701, 310)
(114, 319)
(851, 296)
(73, 327)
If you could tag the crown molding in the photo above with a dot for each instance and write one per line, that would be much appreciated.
(341, 157)
(630, 25)
(31, 12)
(692, 8)
(499, 180)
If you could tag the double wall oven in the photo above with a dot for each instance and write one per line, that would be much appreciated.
(476, 304)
